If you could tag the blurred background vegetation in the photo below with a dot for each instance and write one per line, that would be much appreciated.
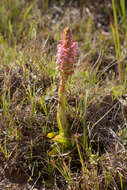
(20, 18)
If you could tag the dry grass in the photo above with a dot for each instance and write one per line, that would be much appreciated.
(28, 100)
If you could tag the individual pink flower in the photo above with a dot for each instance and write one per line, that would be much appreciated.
(67, 53)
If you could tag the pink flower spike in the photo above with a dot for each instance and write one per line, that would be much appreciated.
(67, 52)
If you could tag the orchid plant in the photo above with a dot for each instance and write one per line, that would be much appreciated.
(66, 59)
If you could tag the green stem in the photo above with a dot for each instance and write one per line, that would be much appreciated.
(64, 135)
(63, 124)
(62, 121)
